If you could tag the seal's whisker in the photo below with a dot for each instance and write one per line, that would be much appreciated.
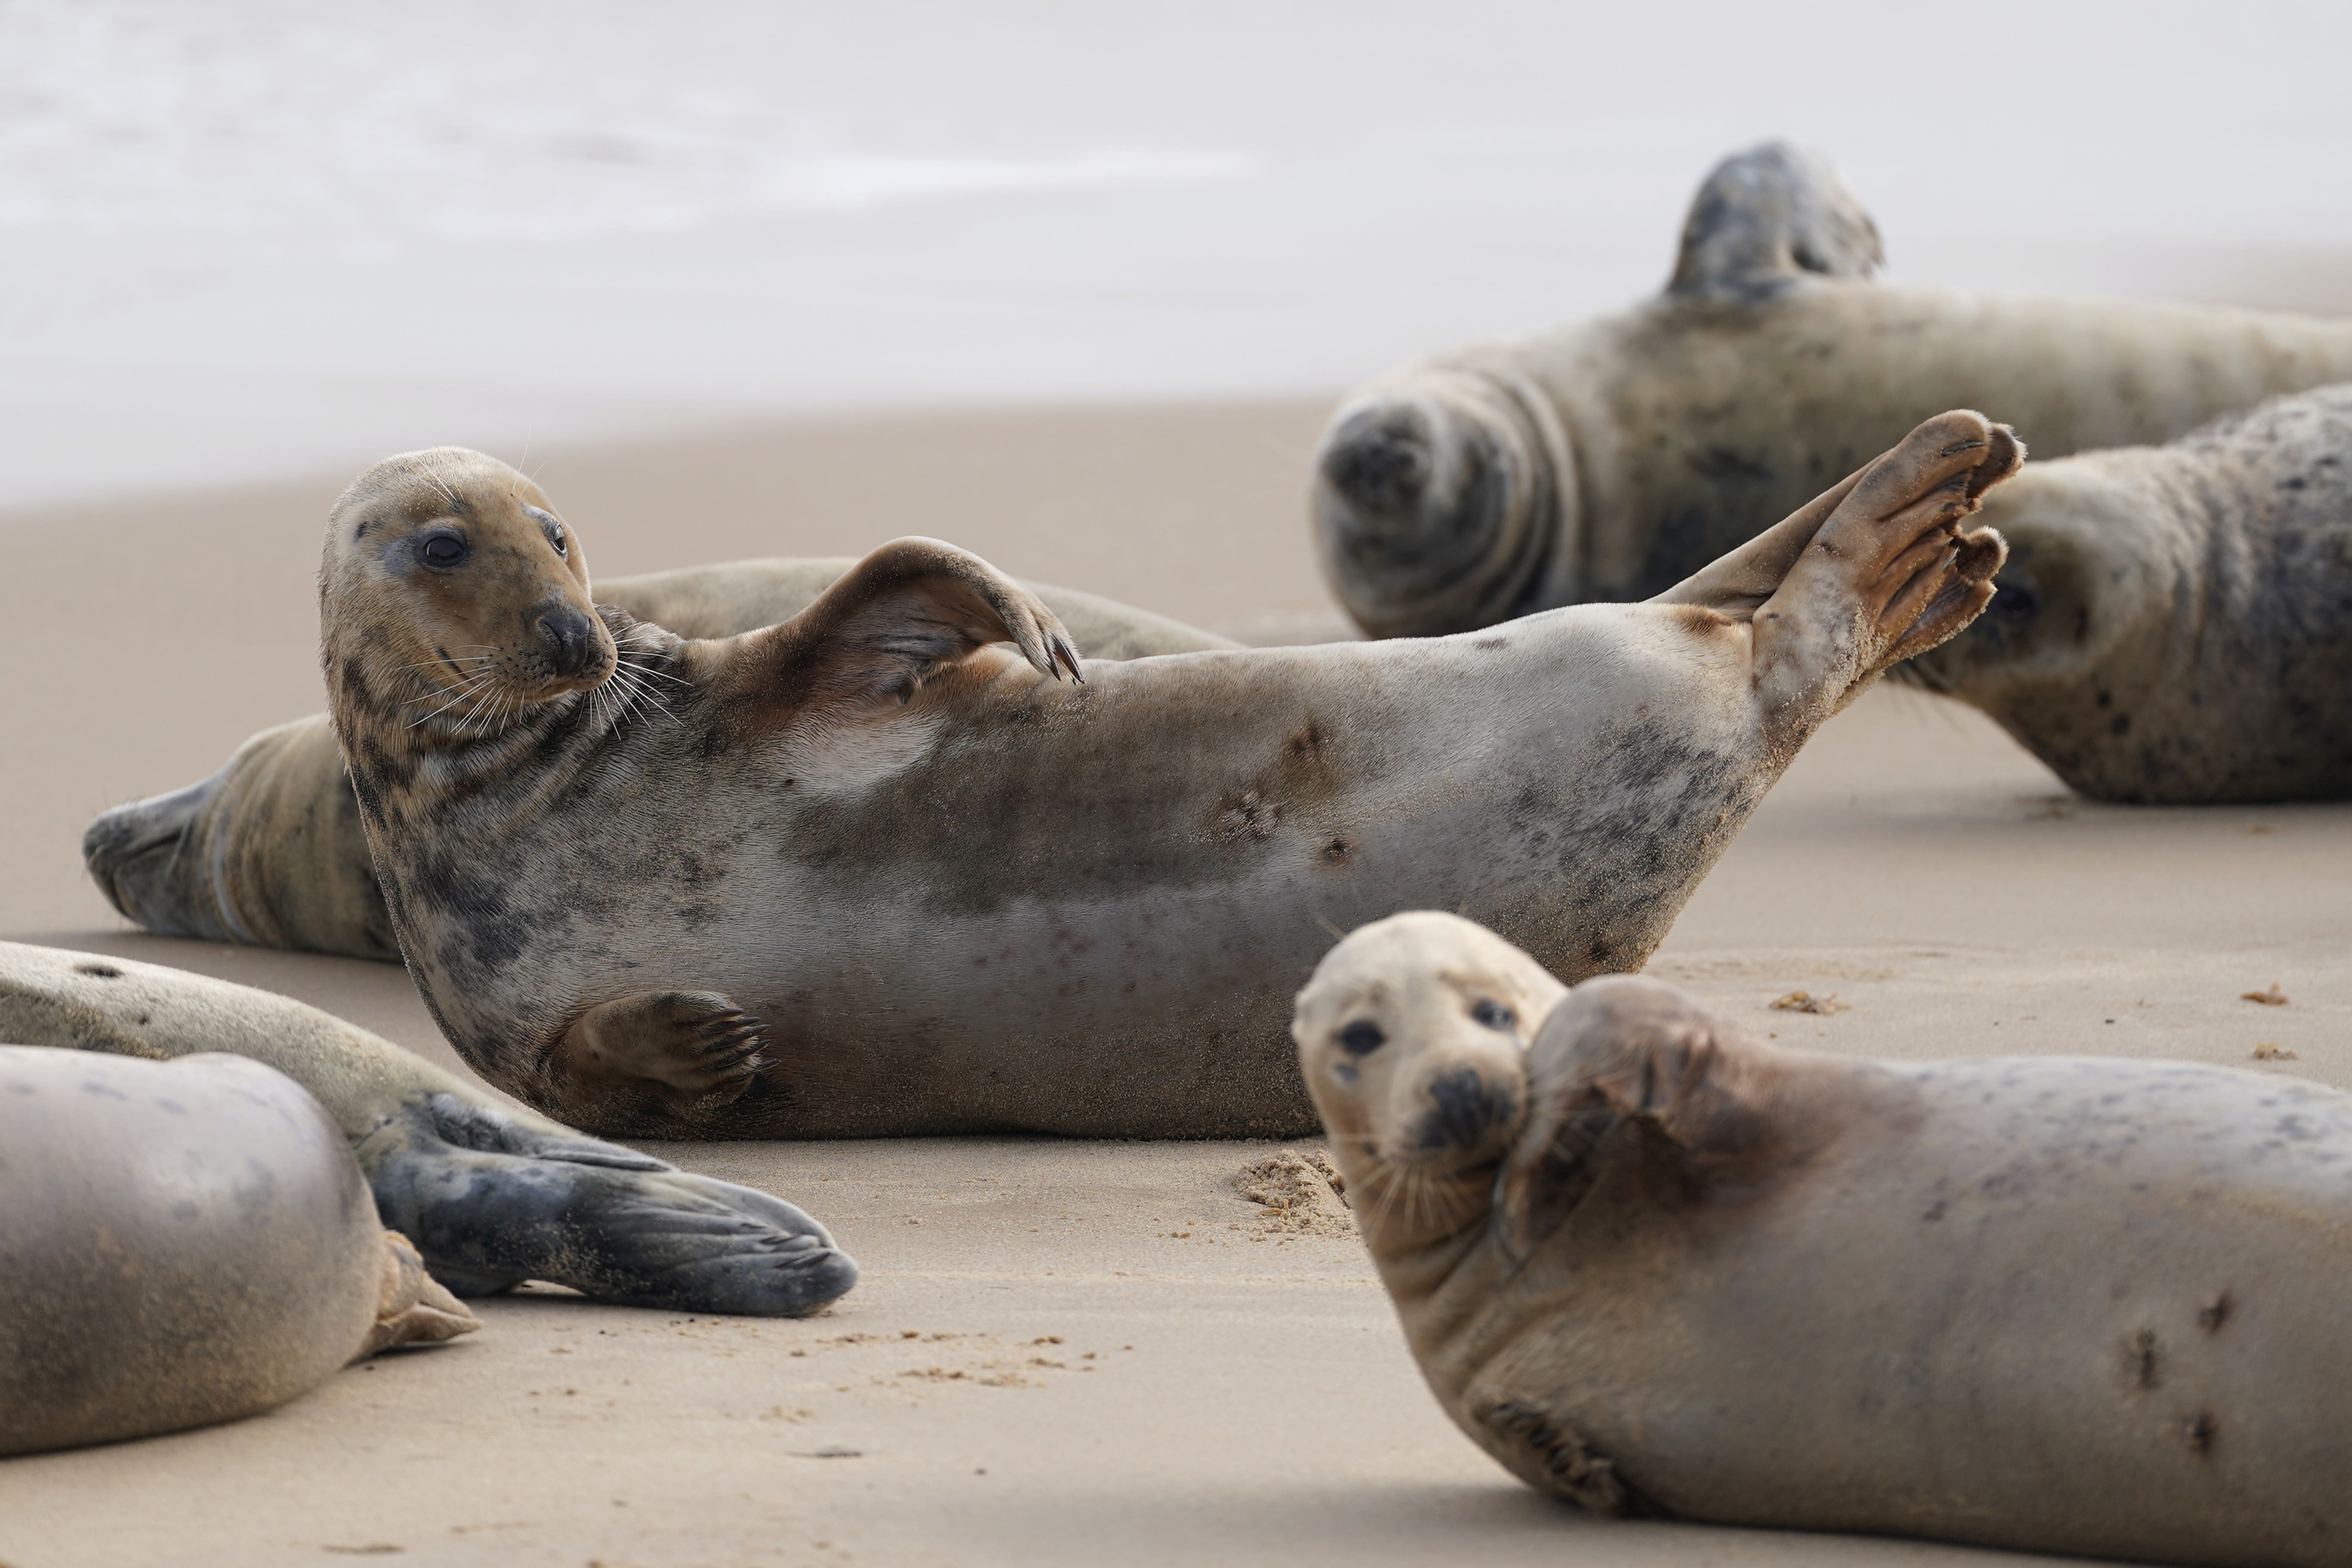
(463, 690)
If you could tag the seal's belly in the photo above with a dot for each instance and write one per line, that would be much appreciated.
(2091, 1306)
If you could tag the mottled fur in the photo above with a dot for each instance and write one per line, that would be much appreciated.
(860, 873)
(1608, 458)
(269, 850)
(2175, 623)
(2064, 1305)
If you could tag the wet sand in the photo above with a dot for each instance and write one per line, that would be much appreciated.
(1062, 1351)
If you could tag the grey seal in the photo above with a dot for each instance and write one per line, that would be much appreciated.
(1608, 458)
(182, 1243)
(489, 1196)
(893, 866)
(2056, 1304)
(2173, 624)
(268, 851)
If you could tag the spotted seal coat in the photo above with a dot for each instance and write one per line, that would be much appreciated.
(490, 1195)
(269, 850)
(892, 868)
(2174, 624)
(2089, 1305)
(1608, 458)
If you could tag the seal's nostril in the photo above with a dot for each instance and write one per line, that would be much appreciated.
(570, 638)
(1380, 460)
(1466, 1109)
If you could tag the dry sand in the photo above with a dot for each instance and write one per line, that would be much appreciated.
(1063, 1352)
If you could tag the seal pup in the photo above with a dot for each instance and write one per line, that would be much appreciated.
(182, 1243)
(2174, 624)
(871, 871)
(2081, 1305)
(268, 851)
(1607, 458)
(489, 1196)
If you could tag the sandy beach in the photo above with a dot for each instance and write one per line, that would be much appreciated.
(1074, 287)
(1061, 1351)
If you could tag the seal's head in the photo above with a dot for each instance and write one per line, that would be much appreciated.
(2065, 654)
(1411, 1036)
(451, 589)
(1443, 502)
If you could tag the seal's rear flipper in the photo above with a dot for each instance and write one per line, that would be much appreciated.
(1768, 218)
(491, 1200)
(414, 1309)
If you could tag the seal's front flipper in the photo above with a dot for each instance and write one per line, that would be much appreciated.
(491, 1200)
(904, 613)
(1633, 1092)
(691, 1049)
(1768, 218)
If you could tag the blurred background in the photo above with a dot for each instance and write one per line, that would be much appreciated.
(242, 239)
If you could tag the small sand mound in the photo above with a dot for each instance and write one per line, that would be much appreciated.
(1301, 1195)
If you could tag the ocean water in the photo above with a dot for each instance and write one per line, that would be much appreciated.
(242, 237)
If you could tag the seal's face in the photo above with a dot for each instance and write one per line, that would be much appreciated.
(1436, 504)
(2061, 603)
(1410, 1036)
(453, 570)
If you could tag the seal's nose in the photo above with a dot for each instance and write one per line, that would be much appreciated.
(1466, 1108)
(1380, 459)
(570, 638)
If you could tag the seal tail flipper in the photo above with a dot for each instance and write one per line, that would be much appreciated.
(491, 1200)
(414, 1308)
(1873, 570)
(1767, 219)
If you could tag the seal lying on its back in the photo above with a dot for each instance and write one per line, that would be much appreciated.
(1611, 458)
(182, 1243)
(866, 873)
(2174, 624)
(489, 1196)
(2076, 1305)
(269, 850)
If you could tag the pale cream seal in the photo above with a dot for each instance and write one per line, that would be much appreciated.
(2080, 1305)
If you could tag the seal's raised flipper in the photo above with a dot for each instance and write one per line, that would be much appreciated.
(1872, 570)
(1629, 1077)
(1768, 218)
(494, 1199)
(692, 1047)
(491, 1196)
(899, 616)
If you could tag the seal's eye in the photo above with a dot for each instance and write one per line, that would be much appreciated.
(1361, 1038)
(444, 549)
(1494, 1016)
(555, 537)
(2015, 602)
